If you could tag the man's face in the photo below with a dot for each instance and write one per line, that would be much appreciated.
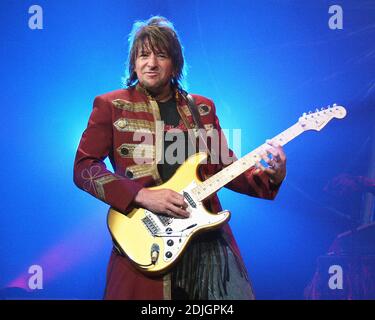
(154, 69)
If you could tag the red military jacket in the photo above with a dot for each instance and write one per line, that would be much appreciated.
(110, 132)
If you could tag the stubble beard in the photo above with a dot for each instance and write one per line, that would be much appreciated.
(156, 88)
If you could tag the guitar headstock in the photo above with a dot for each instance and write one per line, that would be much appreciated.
(317, 120)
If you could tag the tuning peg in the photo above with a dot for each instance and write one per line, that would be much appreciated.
(335, 105)
(310, 112)
(322, 108)
(304, 114)
(316, 110)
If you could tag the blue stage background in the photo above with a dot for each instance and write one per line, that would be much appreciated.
(264, 63)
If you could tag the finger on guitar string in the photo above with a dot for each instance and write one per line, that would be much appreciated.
(276, 147)
(176, 211)
(274, 154)
(178, 200)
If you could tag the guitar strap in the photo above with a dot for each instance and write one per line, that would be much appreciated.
(199, 131)
(194, 111)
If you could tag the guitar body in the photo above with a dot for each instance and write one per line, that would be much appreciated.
(141, 234)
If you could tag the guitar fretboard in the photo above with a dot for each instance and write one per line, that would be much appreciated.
(220, 179)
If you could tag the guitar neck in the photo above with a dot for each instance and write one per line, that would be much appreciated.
(220, 179)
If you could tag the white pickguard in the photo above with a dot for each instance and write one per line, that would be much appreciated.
(177, 231)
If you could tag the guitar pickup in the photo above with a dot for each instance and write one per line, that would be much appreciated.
(189, 199)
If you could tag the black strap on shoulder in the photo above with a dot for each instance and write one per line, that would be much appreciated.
(199, 131)
(194, 111)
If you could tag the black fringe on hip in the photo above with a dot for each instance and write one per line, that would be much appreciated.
(204, 265)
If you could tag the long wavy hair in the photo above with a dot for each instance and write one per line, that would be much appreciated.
(160, 35)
